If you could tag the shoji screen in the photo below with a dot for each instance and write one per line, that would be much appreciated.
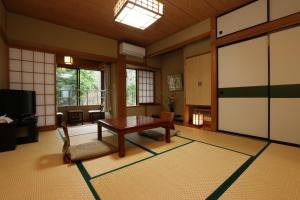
(285, 85)
(33, 70)
(243, 87)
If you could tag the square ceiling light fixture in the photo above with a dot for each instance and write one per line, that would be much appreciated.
(138, 13)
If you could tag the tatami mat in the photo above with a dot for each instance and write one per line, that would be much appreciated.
(82, 129)
(110, 162)
(192, 171)
(156, 146)
(89, 133)
(36, 171)
(274, 175)
(91, 137)
(241, 144)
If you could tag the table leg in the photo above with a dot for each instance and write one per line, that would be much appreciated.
(168, 140)
(121, 144)
(99, 131)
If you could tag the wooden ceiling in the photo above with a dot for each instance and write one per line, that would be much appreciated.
(96, 16)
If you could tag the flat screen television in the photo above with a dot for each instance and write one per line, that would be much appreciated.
(17, 104)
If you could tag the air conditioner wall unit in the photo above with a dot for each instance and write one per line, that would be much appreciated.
(132, 50)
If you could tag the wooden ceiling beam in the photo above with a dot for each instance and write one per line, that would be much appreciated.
(180, 45)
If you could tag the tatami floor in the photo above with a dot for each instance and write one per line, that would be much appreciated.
(197, 164)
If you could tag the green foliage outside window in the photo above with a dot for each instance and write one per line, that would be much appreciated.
(72, 83)
(131, 87)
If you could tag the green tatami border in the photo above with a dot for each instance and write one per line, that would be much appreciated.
(215, 195)
(153, 152)
(84, 173)
(223, 187)
(216, 146)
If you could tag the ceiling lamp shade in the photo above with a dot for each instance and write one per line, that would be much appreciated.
(68, 60)
(138, 13)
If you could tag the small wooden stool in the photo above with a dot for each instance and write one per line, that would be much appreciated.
(95, 115)
(59, 118)
(75, 116)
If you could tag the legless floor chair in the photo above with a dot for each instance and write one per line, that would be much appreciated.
(86, 150)
(159, 133)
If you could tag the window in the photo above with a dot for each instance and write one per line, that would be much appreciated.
(131, 87)
(139, 87)
(66, 83)
(146, 86)
(90, 87)
(79, 87)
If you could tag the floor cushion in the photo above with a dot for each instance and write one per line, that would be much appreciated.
(157, 134)
(90, 150)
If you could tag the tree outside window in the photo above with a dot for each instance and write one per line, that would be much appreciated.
(79, 87)
(130, 87)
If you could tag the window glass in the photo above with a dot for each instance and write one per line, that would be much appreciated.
(79, 87)
(90, 87)
(131, 87)
(146, 86)
(66, 83)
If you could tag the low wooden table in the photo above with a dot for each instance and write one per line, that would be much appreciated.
(131, 124)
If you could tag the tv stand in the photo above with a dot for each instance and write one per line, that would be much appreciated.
(30, 124)
(7, 136)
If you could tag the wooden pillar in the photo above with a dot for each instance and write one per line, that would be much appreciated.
(186, 108)
(121, 86)
(214, 75)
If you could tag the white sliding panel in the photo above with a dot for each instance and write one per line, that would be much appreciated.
(242, 18)
(15, 53)
(248, 116)
(283, 8)
(285, 57)
(243, 87)
(35, 71)
(285, 115)
(285, 85)
(244, 64)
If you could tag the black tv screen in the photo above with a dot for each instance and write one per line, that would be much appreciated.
(17, 103)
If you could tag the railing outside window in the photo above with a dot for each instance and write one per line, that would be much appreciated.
(77, 97)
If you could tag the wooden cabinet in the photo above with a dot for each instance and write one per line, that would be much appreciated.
(258, 79)
(280, 8)
(197, 74)
(250, 15)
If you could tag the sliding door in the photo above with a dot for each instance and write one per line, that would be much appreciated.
(243, 87)
(243, 18)
(35, 71)
(285, 85)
